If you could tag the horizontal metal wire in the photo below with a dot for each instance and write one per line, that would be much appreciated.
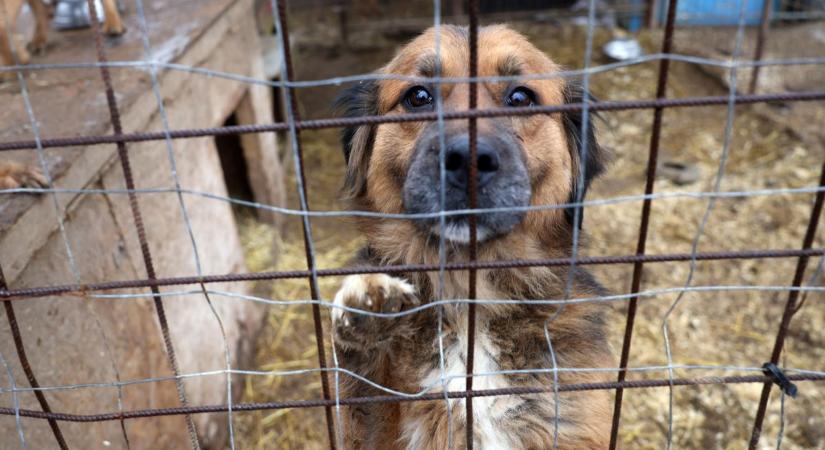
(438, 396)
(412, 117)
(337, 81)
(467, 301)
(16, 294)
(415, 216)
(424, 390)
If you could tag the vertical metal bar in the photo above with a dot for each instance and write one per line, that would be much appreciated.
(760, 42)
(27, 368)
(307, 232)
(790, 308)
(442, 221)
(730, 117)
(41, 156)
(138, 218)
(170, 152)
(10, 316)
(653, 156)
(578, 210)
(472, 187)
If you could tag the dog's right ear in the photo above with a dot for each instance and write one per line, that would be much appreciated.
(590, 160)
(357, 101)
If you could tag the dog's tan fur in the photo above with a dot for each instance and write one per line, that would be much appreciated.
(15, 175)
(10, 11)
(401, 353)
(12, 51)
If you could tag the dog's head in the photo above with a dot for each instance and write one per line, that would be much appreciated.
(523, 160)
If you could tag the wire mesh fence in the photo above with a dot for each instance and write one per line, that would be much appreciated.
(328, 370)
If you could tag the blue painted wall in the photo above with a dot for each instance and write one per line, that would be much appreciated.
(714, 12)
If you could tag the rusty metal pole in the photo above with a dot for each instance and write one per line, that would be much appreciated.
(790, 309)
(392, 399)
(473, 197)
(289, 75)
(137, 217)
(75, 290)
(339, 122)
(661, 93)
(27, 368)
(760, 43)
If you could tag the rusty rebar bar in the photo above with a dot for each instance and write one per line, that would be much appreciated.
(315, 124)
(75, 289)
(790, 308)
(27, 368)
(472, 188)
(764, 25)
(123, 156)
(307, 230)
(638, 267)
(437, 396)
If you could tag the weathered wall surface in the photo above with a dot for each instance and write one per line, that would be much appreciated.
(75, 340)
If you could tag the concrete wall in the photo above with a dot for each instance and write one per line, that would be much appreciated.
(79, 339)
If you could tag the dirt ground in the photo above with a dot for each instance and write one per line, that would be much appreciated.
(773, 146)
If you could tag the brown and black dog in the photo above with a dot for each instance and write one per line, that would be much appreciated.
(10, 11)
(522, 161)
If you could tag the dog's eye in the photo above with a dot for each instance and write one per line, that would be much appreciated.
(418, 97)
(521, 96)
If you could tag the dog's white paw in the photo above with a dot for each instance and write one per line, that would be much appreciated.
(377, 293)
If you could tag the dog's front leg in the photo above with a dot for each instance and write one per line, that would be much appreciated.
(370, 346)
(112, 23)
(41, 19)
(9, 43)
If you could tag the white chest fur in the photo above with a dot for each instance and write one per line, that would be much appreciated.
(490, 424)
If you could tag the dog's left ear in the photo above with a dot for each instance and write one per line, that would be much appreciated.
(590, 157)
(358, 100)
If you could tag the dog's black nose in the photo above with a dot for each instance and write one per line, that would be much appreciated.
(457, 162)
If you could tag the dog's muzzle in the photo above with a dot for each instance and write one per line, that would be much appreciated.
(502, 183)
